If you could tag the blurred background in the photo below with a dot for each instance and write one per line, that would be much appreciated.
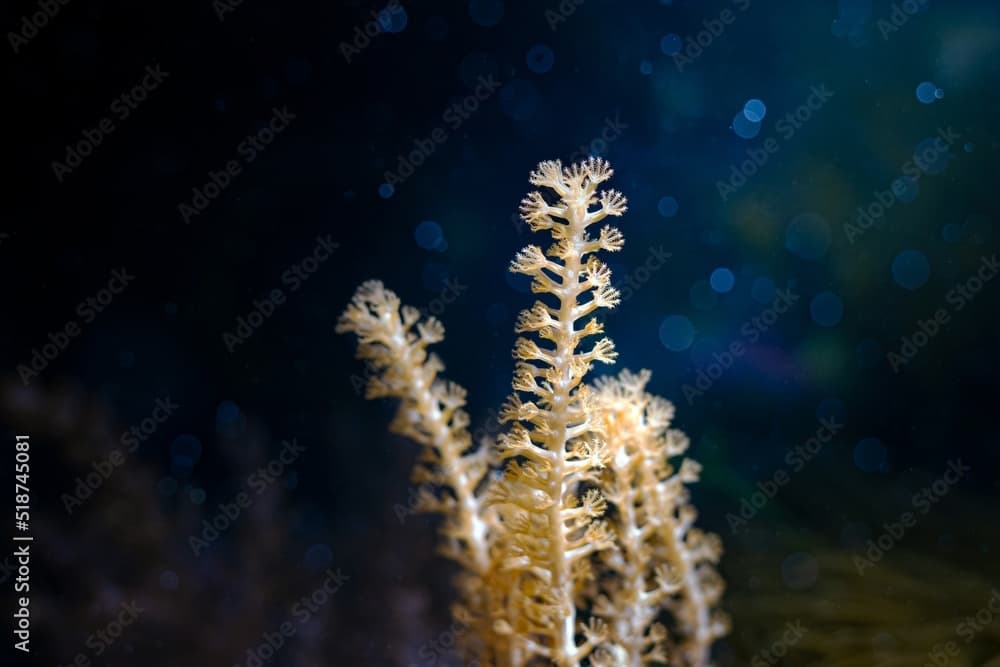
(196, 189)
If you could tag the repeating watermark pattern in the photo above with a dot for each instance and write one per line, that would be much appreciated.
(610, 132)
(958, 297)
(256, 484)
(452, 118)
(222, 8)
(750, 332)
(86, 485)
(922, 501)
(448, 295)
(87, 310)
(899, 15)
(967, 629)
(32, 24)
(247, 151)
(795, 459)
(293, 278)
(775, 653)
(785, 127)
(437, 650)
(555, 16)
(973, 625)
(121, 108)
(695, 45)
(366, 32)
(299, 614)
(882, 200)
(101, 640)
(637, 279)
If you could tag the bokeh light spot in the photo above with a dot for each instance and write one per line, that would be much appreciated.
(671, 44)
(925, 92)
(722, 280)
(911, 269)
(318, 557)
(870, 455)
(186, 446)
(519, 99)
(929, 156)
(906, 189)
(169, 581)
(808, 236)
(540, 59)
(754, 110)
(227, 414)
(429, 235)
(799, 571)
(677, 333)
(486, 13)
(667, 206)
(830, 408)
(393, 18)
(827, 309)
(952, 233)
(744, 127)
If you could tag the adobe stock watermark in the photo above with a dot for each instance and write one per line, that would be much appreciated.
(448, 295)
(101, 640)
(967, 629)
(900, 14)
(695, 45)
(922, 501)
(796, 459)
(610, 132)
(785, 127)
(102, 468)
(224, 7)
(560, 13)
(750, 331)
(437, 650)
(775, 653)
(87, 311)
(293, 278)
(970, 626)
(121, 108)
(452, 118)
(365, 33)
(635, 280)
(958, 297)
(32, 24)
(256, 484)
(299, 614)
(867, 215)
(247, 151)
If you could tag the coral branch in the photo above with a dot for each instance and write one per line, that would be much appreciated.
(537, 551)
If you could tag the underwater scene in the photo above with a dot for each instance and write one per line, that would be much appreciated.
(502, 333)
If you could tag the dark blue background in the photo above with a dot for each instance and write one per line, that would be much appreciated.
(564, 78)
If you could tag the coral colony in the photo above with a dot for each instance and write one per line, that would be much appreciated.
(582, 552)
